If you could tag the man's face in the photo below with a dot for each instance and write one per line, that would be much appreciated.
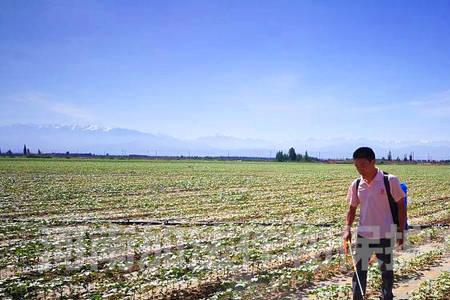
(363, 165)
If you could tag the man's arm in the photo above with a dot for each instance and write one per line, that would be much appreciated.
(401, 214)
(401, 221)
(399, 196)
(348, 223)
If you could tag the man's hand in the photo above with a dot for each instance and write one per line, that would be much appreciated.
(400, 239)
(400, 243)
(347, 234)
(347, 238)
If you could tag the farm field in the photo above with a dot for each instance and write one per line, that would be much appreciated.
(135, 229)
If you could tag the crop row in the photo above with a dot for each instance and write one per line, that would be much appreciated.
(438, 288)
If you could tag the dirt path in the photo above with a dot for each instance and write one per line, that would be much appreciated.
(402, 289)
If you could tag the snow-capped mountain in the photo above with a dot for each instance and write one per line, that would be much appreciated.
(101, 140)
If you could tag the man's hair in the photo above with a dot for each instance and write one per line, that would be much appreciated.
(364, 152)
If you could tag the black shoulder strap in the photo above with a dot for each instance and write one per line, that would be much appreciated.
(357, 185)
(392, 204)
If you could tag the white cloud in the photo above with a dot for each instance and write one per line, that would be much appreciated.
(46, 102)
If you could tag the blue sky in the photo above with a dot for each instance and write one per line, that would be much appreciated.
(274, 70)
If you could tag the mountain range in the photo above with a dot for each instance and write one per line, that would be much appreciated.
(99, 140)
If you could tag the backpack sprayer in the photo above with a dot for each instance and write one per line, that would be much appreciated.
(405, 190)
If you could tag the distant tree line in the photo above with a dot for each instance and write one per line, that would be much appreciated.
(293, 156)
(406, 157)
(280, 156)
(25, 152)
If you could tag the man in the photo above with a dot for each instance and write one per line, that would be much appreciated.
(376, 230)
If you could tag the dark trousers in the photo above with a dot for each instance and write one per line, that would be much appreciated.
(383, 250)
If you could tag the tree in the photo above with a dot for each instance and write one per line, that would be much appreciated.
(24, 149)
(410, 157)
(306, 155)
(39, 152)
(279, 156)
(299, 157)
(389, 155)
(292, 155)
(405, 158)
(9, 152)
